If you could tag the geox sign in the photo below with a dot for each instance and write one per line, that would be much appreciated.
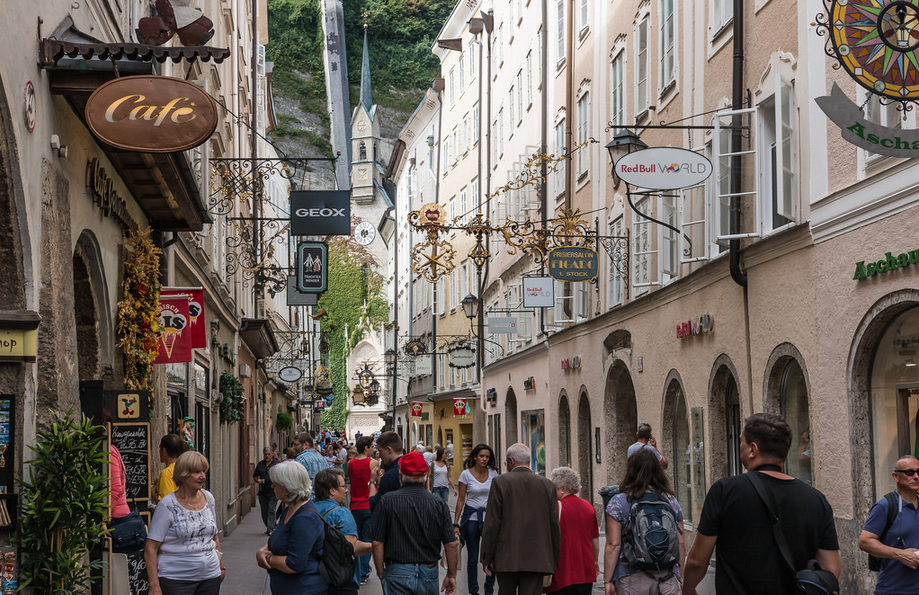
(320, 213)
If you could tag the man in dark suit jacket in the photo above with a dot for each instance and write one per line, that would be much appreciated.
(520, 539)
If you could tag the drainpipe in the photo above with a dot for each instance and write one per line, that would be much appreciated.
(737, 97)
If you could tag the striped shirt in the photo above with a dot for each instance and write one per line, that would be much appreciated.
(412, 523)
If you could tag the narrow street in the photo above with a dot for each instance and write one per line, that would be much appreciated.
(244, 577)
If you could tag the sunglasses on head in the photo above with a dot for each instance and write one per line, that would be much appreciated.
(907, 472)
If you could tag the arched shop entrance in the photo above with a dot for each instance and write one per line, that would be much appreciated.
(726, 420)
(620, 409)
(564, 431)
(585, 447)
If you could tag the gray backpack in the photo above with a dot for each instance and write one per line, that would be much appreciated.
(654, 542)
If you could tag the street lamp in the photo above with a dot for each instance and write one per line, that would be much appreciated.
(470, 305)
(624, 142)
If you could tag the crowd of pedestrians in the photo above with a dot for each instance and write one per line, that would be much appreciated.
(331, 507)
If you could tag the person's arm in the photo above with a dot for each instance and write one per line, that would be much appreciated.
(697, 562)
(682, 541)
(360, 547)
(450, 480)
(151, 551)
(223, 567)
(303, 539)
(870, 543)
(460, 503)
(449, 585)
(378, 557)
(596, 546)
(829, 560)
(611, 553)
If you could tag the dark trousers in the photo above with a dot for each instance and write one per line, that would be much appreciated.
(362, 520)
(580, 589)
(522, 583)
(209, 586)
(471, 532)
(269, 503)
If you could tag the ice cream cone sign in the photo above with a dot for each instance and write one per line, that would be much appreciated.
(196, 317)
(175, 340)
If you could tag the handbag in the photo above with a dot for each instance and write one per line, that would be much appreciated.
(813, 580)
(128, 533)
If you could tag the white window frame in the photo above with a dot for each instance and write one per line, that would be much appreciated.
(501, 131)
(475, 124)
(642, 255)
(529, 79)
(558, 312)
(474, 191)
(560, 150)
(667, 67)
(584, 17)
(583, 157)
(464, 205)
(722, 14)
(687, 224)
(779, 131)
(452, 91)
(519, 97)
(642, 65)
(462, 73)
(668, 240)
(617, 90)
(472, 61)
(511, 101)
(560, 32)
(721, 195)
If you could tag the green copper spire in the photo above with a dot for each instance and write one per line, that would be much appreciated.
(366, 92)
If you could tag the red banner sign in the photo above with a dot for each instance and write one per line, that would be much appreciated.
(416, 409)
(195, 312)
(175, 340)
(459, 406)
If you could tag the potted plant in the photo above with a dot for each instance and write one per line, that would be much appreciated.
(284, 421)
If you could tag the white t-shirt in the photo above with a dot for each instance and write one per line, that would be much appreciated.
(188, 550)
(476, 491)
(429, 458)
(440, 476)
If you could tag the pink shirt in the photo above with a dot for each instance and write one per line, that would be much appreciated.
(117, 498)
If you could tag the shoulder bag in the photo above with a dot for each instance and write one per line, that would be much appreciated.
(812, 580)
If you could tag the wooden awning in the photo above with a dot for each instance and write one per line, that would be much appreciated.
(163, 184)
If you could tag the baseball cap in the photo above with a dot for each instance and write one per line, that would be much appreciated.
(413, 465)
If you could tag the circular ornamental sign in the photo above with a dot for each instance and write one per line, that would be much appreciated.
(151, 114)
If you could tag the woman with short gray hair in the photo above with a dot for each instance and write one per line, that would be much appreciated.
(578, 556)
(292, 553)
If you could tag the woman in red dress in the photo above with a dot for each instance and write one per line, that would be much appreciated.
(578, 556)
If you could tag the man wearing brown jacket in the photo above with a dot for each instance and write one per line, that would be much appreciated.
(520, 539)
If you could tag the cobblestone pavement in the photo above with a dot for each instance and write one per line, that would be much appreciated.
(244, 577)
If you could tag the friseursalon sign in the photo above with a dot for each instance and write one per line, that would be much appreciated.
(151, 114)
(572, 263)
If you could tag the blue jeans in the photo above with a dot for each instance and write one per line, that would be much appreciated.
(362, 520)
(410, 579)
(471, 533)
(443, 493)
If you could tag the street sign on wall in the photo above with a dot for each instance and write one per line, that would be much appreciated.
(320, 213)
(538, 292)
(312, 267)
(506, 325)
(573, 263)
(664, 168)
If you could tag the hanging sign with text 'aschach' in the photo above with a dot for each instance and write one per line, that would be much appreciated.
(664, 168)
(573, 263)
(151, 114)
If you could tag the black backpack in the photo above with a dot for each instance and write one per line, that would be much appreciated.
(654, 539)
(337, 563)
(874, 564)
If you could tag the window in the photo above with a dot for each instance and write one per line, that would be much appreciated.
(362, 153)
(693, 237)
(584, 149)
(519, 96)
(440, 297)
(743, 188)
(894, 396)
(501, 131)
(669, 240)
(511, 101)
(452, 209)
(494, 139)
(617, 92)
(446, 151)
(500, 42)
(451, 92)
(581, 300)
(463, 282)
(453, 289)
(476, 200)
(882, 115)
(464, 143)
(642, 67)
(462, 73)
(722, 13)
(464, 207)
(779, 157)
(453, 149)
(667, 69)
(475, 124)
(614, 295)
(529, 78)
(642, 250)
(583, 16)
(559, 151)
(560, 32)
(471, 61)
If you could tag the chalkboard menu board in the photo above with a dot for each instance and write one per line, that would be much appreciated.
(133, 442)
(137, 574)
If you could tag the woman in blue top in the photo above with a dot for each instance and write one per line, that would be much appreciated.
(292, 553)
(330, 492)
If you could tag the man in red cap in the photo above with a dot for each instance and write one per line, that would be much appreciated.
(408, 527)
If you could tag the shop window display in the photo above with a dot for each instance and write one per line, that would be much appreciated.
(796, 412)
(534, 425)
(895, 397)
(682, 455)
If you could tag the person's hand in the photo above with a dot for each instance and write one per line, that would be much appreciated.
(909, 557)
(449, 586)
(155, 590)
(596, 567)
(652, 441)
(223, 573)
(260, 556)
(610, 588)
(489, 569)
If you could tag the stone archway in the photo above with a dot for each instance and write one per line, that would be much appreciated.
(510, 421)
(564, 431)
(724, 418)
(89, 315)
(620, 409)
(585, 447)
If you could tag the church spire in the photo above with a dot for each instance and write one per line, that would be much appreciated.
(366, 92)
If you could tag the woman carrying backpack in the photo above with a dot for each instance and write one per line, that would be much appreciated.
(330, 492)
(641, 558)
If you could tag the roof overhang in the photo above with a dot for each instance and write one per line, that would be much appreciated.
(258, 336)
(163, 184)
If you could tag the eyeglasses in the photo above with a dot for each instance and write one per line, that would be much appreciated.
(907, 472)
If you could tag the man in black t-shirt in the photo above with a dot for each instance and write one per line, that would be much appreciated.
(736, 521)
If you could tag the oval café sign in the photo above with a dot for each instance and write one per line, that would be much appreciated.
(151, 114)
(664, 168)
